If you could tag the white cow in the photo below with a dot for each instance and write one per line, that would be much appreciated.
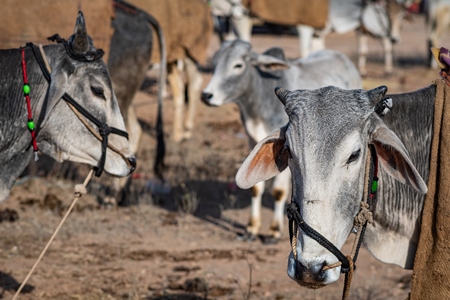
(380, 19)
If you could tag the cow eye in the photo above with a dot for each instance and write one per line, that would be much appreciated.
(238, 66)
(98, 91)
(354, 156)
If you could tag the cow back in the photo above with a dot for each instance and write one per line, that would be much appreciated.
(186, 24)
(23, 21)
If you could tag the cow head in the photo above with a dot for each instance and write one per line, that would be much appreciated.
(325, 145)
(78, 70)
(233, 63)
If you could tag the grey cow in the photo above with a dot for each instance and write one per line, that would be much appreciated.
(76, 70)
(247, 78)
(325, 145)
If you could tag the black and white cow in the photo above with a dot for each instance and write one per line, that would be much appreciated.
(247, 78)
(76, 70)
(325, 144)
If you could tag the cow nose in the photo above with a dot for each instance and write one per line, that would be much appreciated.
(312, 276)
(132, 161)
(395, 40)
(206, 97)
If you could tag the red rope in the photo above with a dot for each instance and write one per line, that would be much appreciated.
(27, 97)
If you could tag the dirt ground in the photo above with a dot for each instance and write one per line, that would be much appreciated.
(178, 240)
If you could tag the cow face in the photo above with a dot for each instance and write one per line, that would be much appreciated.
(325, 145)
(63, 136)
(233, 78)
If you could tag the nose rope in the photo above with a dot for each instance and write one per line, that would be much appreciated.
(82, 114)
(364, 216)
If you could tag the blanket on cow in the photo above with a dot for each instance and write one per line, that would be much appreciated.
(187, 27)
(431, 274)
(288, 12)
(23, 21)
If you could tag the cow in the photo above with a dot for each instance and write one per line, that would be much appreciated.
(246, 78)
(187, 28)
(380, 19)
(437, 13)
(64, 130)
(132, 53)
(325, 144)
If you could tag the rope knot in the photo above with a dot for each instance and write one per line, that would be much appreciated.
(80, 190)
(104, 130)
(364, 215)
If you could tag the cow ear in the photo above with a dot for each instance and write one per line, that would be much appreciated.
(267, 159)
(395, 160)
(269, 63)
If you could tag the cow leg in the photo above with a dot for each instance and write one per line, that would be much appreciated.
(254, 223)
(280, 193)
(362, 53)
(388, 59)
(177, 87)
(195, 81)
(243, 26)
(306, 36)
(119, 185)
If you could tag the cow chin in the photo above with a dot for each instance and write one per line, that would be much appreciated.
(313, 276)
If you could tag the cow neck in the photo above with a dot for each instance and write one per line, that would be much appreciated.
(256, 105)
(103, 129)
(347, 262)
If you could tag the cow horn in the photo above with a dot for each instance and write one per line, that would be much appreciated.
(377, 94)
(281, 94)
(80, 42)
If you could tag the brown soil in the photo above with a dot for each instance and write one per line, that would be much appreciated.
(178, 241)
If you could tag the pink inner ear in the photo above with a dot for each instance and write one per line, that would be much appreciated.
(270, 158)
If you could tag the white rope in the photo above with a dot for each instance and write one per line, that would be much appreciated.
(80, 189)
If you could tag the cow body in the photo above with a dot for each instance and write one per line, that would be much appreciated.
(60, 133)
(327, 138)
(437, 14)
(380, 19)
(247, 78)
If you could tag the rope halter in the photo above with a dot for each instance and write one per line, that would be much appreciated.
(103, 129)
(346, 262)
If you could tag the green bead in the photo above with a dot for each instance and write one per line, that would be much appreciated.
(31, 125)
(26, 89)
(374, 185)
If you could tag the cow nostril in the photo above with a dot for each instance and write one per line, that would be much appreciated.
(314, 273)
(132, 161)
(206, 97)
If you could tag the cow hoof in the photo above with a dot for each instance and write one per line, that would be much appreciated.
(246, 237)
(270, 240)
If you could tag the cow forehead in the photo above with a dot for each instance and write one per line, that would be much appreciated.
(321, 119)
(231, 50)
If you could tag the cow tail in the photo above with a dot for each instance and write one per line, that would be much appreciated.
(161, 147)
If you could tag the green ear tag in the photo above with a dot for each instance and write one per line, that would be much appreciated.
(31, 125)
(26, 89)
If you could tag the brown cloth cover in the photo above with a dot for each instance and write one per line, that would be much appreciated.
(23, 21)
(290, 12)
(431, 273)
(186, 24)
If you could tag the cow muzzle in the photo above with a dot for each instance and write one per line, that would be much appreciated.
(313, 275)
(206, 98)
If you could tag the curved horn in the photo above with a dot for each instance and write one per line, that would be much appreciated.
(281, 94)
(80, 42)
(376, 94)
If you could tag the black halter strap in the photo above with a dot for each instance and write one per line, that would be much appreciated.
(103, 128)
(296, 219)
